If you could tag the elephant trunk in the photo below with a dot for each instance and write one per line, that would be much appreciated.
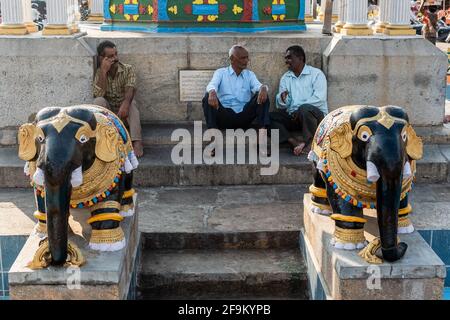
(57, 202)
(389, 166)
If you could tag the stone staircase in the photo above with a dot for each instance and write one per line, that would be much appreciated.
(225, 231)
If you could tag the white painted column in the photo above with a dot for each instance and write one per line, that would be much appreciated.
(356, 24)
(398, 18)
(96, 8)
(58, 15)
(27, 17)
(12, 17)
(381, 24)
(342, 16)
(74, 15)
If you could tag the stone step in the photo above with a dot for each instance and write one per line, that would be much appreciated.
(159, 133)
(222, 274)
(228, 217)
(157, 169)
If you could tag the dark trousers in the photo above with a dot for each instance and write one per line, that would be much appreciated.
(226, 118)
(306, 119)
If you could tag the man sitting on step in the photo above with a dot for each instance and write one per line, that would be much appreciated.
(301, 100)
(115, 87)
(235, 98)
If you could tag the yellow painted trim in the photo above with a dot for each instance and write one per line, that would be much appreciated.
(40, 215)
(128, 193)
(31, 27)
(96, 18)
(356, 30)
(318, 192)
(55, 30)
(104, 217)
(393, 30)
(341, 217)
(405, 210)
(309, 19)
(13, 29)
(404, 222)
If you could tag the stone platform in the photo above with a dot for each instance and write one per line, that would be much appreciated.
(106, 275)
(342, 274)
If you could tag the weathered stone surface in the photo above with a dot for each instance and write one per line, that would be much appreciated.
(403, 71)
(200, 274)
(39, 72)
(109, 270)
(16, 212)
(348, 276)
(240, 217)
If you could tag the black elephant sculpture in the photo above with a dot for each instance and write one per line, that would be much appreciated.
(365, 157)
(79, 157)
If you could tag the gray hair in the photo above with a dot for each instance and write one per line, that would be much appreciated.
(233, 49)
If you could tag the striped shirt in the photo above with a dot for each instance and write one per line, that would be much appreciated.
(115, 87)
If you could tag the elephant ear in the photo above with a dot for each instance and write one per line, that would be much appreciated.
(106, 147)
(414, 145)
(341, 140)
(27, 144)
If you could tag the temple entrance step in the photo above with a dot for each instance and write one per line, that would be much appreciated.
(158, 168)
(226, 217)
(222, 274)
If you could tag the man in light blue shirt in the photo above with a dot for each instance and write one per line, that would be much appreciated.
(301, 101)
(235, 98)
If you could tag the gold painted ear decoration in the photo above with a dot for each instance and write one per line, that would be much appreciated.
(341, 140)
(414, 145)
(107, 145)
(27, 144)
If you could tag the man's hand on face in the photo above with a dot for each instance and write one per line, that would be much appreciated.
(212, 99)
(284, 95)
(106, 64)
(262, 96)
(124, 110)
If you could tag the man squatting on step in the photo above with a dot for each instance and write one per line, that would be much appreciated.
(235, 98)
(301, 101)
(114, 88)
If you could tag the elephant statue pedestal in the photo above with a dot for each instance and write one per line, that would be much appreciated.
(104, 275)
(342, 274)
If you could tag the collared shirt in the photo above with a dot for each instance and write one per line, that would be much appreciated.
(310, 87)
(234, 91)
(115, 87)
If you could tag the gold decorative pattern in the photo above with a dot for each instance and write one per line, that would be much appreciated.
(42, 258)
(404, 222)
(349, 235)
(341, 140)
(107, 236)
(414, 145)
(368, 253)
(106, 204)
(27, 140)
(317, 192)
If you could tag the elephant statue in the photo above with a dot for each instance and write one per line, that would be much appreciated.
(79, 157)
(365, 157)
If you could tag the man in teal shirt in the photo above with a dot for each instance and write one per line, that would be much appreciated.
(301, 101)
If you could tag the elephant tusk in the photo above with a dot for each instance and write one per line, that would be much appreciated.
(39, 177)
(128, 166)
(26, 168)
(134, 161)
(77, 177)
(372, 172)
(407, 173)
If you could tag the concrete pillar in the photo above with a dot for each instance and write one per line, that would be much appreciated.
(308, 11)
(356, 24)
(398, 18)
(342, 16)
(12, 17)
(75, 15)
(58, 15)
(27, 17)
(96, 8)
(381, 24)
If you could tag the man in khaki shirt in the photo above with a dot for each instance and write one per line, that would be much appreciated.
(114, 88)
